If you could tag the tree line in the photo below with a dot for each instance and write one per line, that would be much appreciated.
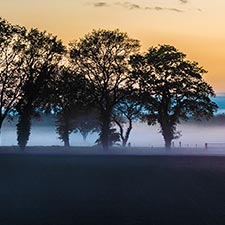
(100, 83)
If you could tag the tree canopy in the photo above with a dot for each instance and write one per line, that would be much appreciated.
(68, 98)
(103, 57)
(124, 114)
(171, 88)
(42, 56)
(12, 77)
(99, 81)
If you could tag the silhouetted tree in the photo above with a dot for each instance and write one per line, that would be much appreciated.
(68, 98)
(12, 77)
(172, 88)
(124, 114)
(41, 58)
(114, 137)
(24, 128)
(87, 122)
(216, 120)
(103, 56)
(64, 126)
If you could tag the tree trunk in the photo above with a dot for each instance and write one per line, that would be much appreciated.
(168, 133)
(105, 136)
(24, 127)
(121, 131)
(66, 133)
(167, 142)
(1, 122)
(66, 140)
(0, 134)
(124, 143)
(125, 140)
(105, 131)
(84, 135)
(123, 137)
(2, 118)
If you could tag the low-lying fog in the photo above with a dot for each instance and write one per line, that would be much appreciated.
(142, 135)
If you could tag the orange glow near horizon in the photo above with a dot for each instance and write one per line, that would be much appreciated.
(194, 27)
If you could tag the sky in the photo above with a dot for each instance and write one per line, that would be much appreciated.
(195, 27)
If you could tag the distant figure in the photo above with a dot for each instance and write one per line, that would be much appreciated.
(206, 146)
(129, 145)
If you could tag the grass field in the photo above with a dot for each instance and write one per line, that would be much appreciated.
(58, 189)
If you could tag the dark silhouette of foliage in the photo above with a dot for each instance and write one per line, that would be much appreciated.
(42, 55)
(124, 114)
(103, 57)
(87, 123)
(76, 120)
(64, 127)
(172, 88)
(114, 137)
(216, 120)
(68, 98)
(95, 88)
(12, 77)
(24, 128)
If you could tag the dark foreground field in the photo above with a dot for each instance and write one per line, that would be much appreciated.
(103, 190)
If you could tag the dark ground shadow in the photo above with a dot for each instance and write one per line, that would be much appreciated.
(105, 190)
